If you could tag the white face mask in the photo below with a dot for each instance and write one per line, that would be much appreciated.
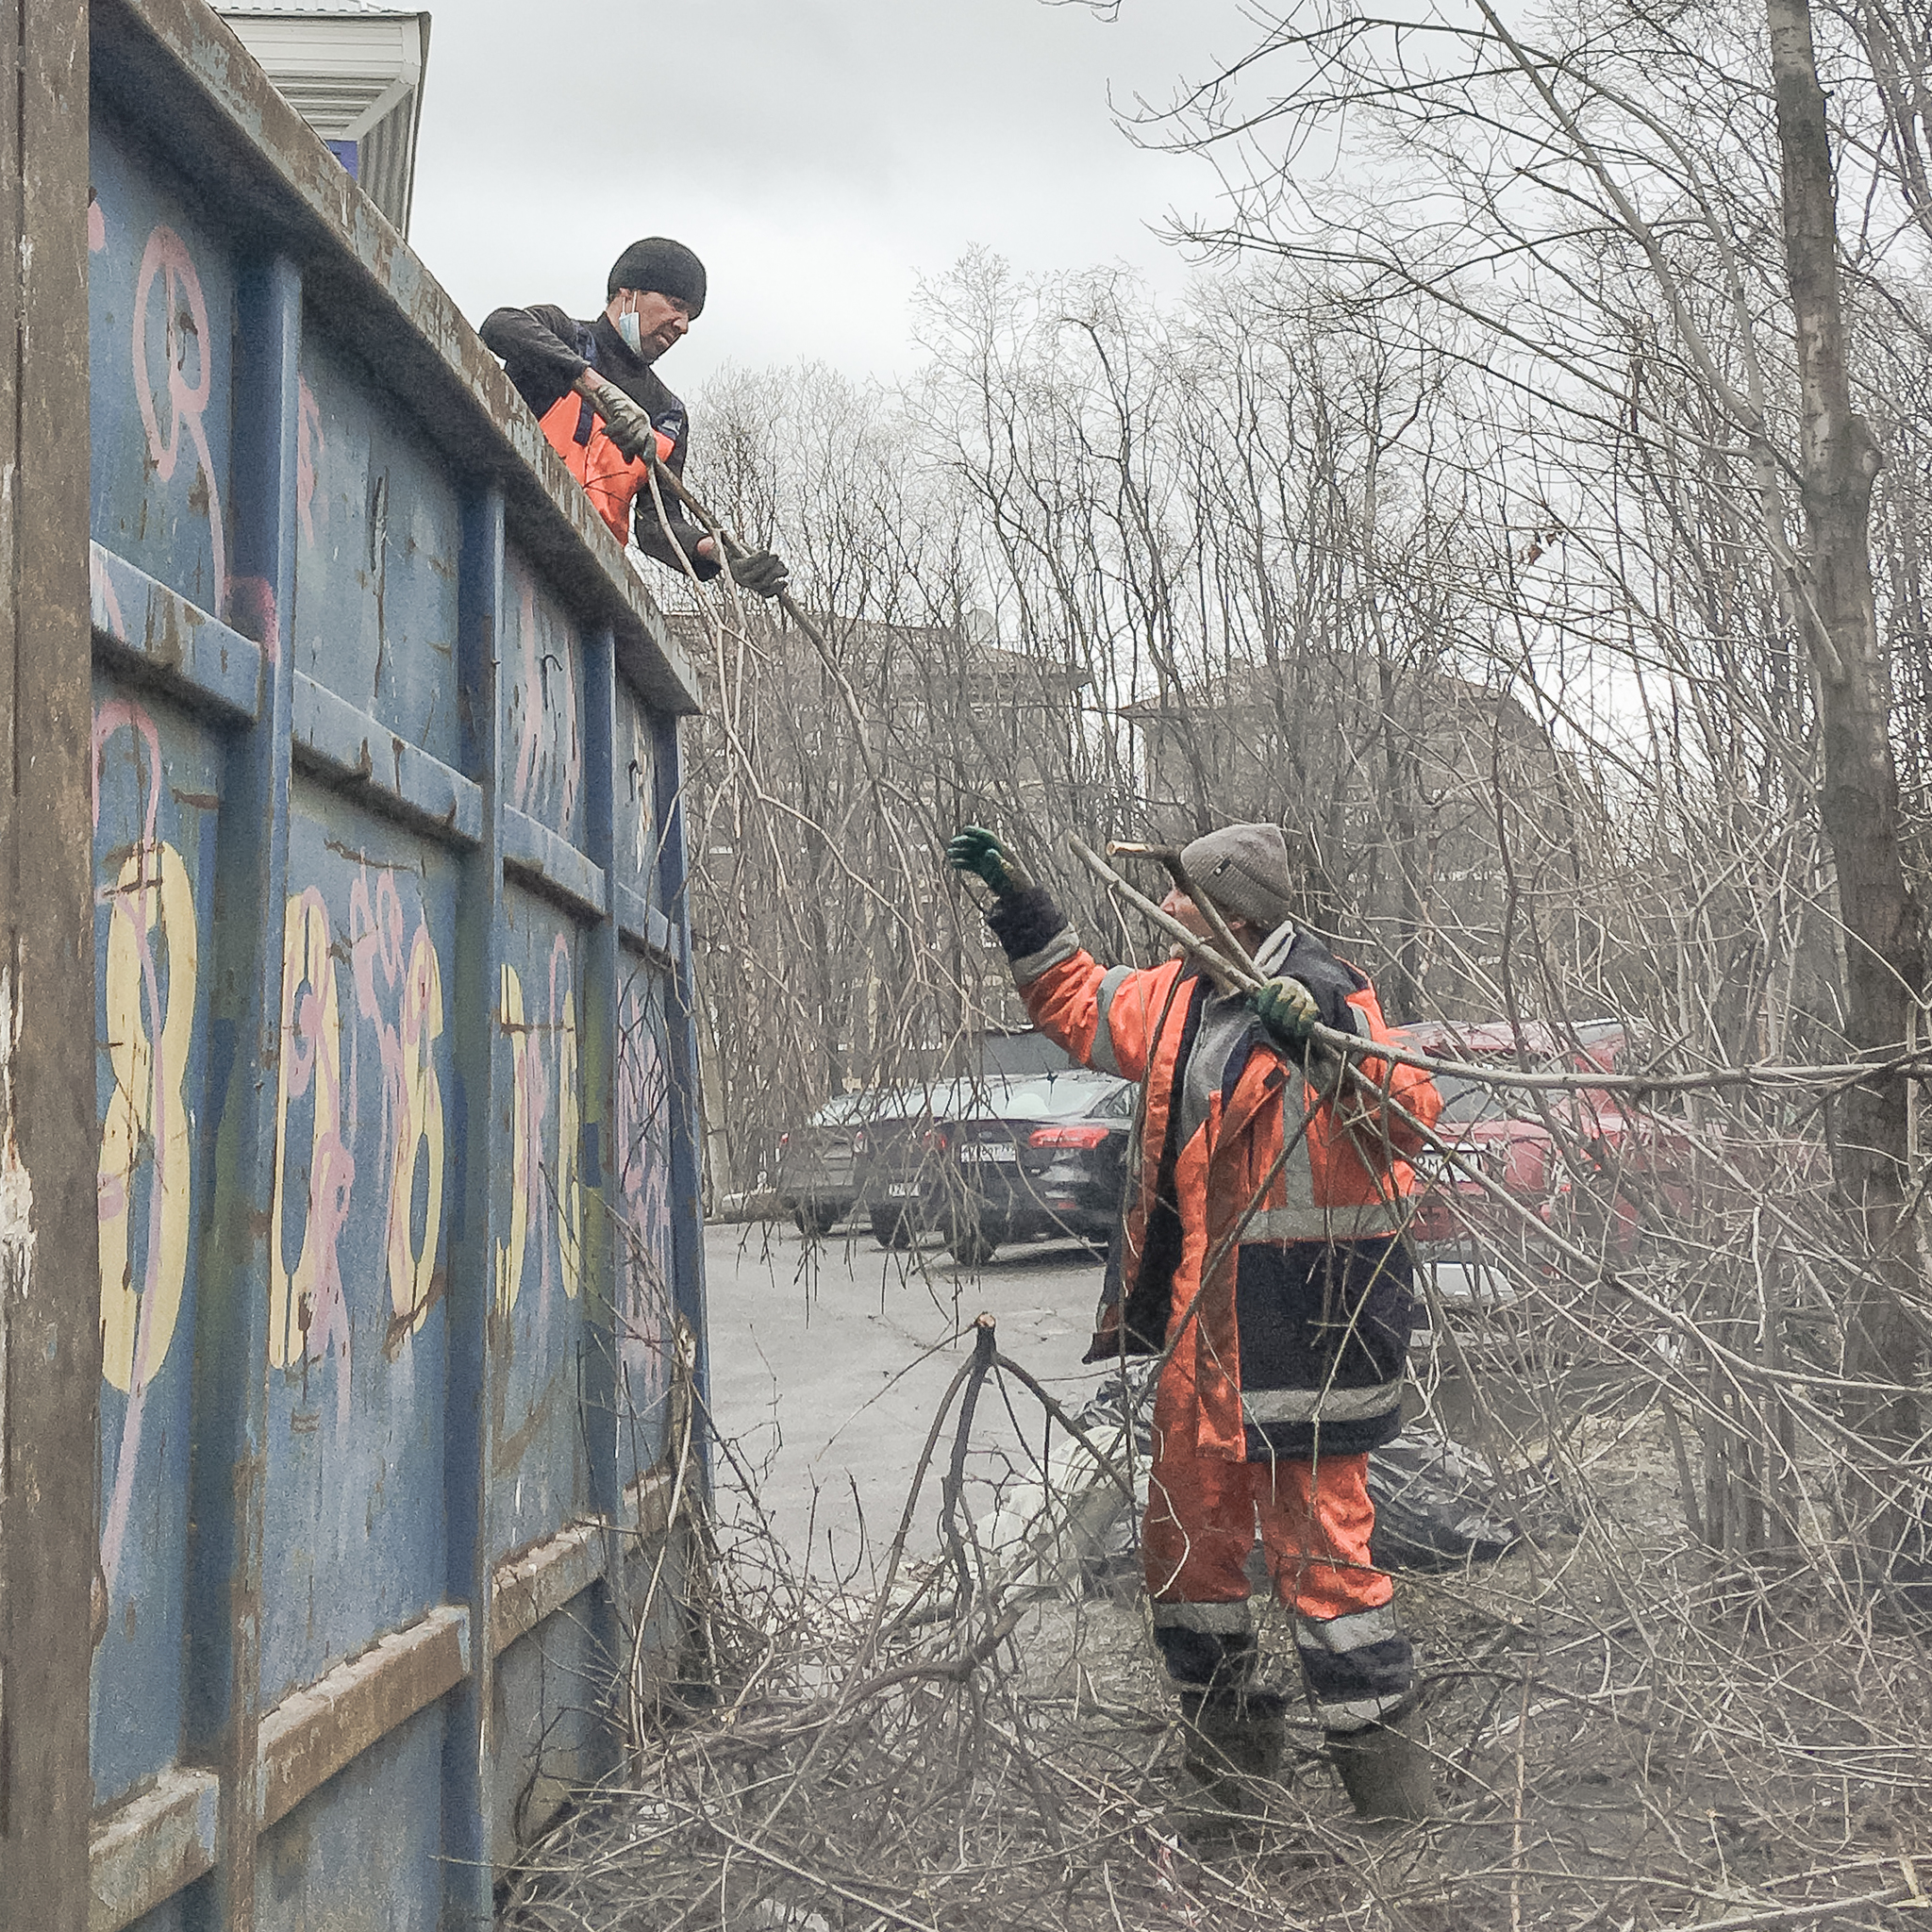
(628, 328)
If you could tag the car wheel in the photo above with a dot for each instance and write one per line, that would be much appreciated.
(972, 1247)
(813, 1220)
(891, 1228)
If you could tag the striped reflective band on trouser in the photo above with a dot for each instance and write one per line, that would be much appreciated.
(1360, 1668)
(1378, 1221)
(1206, 1646)
(1218, 1620)
(1102, 1054)
(1063, 945)
(1260, 1407)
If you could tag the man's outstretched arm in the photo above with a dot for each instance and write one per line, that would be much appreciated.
(1103, 1016)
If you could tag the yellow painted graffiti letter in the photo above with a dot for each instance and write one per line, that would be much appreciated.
(312, 1060)
(509, 1254)
(152, 917)
(420, 1125)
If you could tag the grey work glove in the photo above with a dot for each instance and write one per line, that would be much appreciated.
(973, 849)
(624, 423)
(762, 572)
(1286, 1008)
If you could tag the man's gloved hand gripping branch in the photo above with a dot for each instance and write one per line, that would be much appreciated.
(1289, 1011)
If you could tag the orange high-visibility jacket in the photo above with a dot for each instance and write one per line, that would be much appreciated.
(575, 431)
(1300, 1339)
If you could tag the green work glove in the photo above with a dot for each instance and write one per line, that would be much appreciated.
(1289, 1011)
(760, 572)
(973, 849)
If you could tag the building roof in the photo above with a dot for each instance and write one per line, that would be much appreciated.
(355, 74)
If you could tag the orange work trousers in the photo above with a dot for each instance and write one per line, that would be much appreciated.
(1315, 1518)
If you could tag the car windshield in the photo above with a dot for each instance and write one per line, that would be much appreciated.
(1465, 1100)
(1044, 1097)
(1017, 1056)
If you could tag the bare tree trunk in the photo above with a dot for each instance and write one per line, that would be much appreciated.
(1884, 956)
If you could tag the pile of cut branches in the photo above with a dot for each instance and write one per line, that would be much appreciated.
(1630, 1729)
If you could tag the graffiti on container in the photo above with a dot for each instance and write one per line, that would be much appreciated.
(397, 982)
(543, 715)
(148, 993)
(408, 978)
(541, 1198)
(311, 445)
(166, 264)
(643, 1183)
(307, 1314)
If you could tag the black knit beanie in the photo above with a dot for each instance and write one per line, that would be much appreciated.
(658, 267)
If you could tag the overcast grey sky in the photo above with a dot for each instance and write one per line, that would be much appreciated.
(820, 154)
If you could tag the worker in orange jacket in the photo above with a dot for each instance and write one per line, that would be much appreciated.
(604, 409)
(1286, 1362)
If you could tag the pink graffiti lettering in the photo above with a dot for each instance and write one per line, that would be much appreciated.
(375, 945)
(184, 315)
(310, 446)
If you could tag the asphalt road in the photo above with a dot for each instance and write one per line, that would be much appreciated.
(828, 1360)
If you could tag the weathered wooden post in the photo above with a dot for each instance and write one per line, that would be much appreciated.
(49, 1134)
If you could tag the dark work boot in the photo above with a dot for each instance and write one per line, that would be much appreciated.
(1385, 1772)
(1235, 1736)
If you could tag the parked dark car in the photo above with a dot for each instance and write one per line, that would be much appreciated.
(890, 1131)
(902, 1140)
(1018, 1161)
(821, 1164)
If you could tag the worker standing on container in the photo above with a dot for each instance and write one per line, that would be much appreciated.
(595, 390)
(1288, 1368)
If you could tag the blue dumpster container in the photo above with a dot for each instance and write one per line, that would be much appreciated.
(399, 1241)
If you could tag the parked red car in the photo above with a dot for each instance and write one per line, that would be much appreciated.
(1586, 1159)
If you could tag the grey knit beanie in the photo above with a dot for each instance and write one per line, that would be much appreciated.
(1244, 868)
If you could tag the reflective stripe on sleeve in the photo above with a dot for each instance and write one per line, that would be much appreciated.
(1063, 945)
(1214, 1620)
(1260, 1407)
(1101, 1054)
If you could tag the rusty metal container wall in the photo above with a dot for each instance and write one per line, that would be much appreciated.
(397, 1170)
